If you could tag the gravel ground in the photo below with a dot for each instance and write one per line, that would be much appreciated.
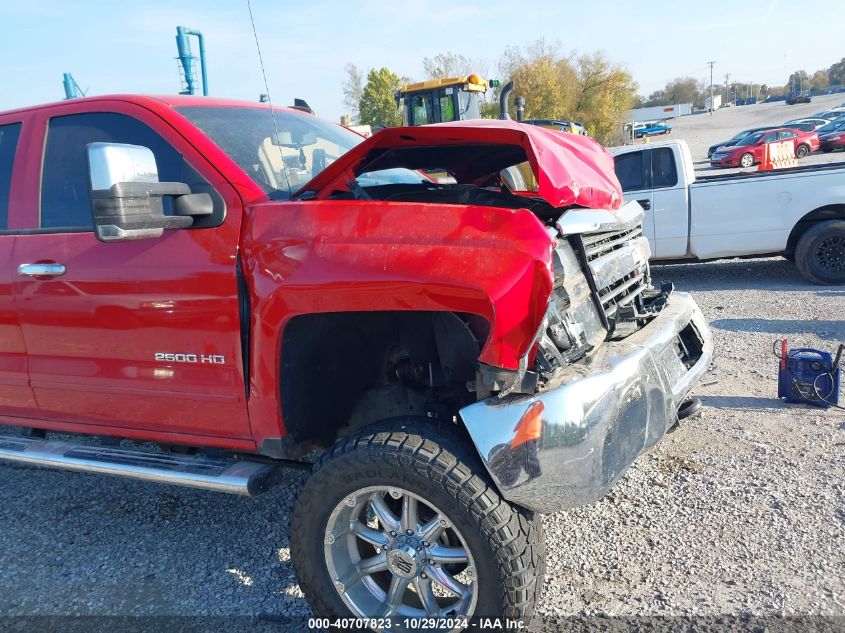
(740, 511)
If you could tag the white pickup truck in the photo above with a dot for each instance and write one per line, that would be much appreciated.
(798, 213)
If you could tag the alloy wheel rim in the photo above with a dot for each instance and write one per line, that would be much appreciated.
(391, 553)
(830, 254)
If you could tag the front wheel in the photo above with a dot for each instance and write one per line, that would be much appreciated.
(820, 253)
(747, 160)
(400, 521)
(801, 151)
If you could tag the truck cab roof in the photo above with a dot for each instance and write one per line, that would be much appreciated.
(154, 102)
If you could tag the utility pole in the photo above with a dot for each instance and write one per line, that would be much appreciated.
(711, 87)
(727, 93)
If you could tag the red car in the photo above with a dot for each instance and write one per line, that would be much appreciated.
(832, 141)
(749, 151)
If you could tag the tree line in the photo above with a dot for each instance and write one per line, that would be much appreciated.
(588, 88)
(696, 91)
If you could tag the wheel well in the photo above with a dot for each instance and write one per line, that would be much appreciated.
(830, 212)
(342, 371)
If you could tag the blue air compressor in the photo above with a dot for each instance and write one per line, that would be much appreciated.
(808, 375)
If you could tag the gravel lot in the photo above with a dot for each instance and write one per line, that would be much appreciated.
(740, 511)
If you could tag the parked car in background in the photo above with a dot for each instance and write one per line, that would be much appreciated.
(834, 126)
(832, 141)
(798, 98)
(831, 115)
(736, 138)
(642, 130)
(808, 124)
(749, 151)
(804, 127)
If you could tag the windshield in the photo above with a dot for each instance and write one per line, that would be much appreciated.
(280, 158)
(751, 139)
(833, 126)
(741, 135)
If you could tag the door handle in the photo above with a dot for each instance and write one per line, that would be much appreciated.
(645, 203)
(41, 270)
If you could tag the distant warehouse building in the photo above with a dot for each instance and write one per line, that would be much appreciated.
(659, 113)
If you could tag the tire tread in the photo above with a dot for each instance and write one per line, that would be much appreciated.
(442, 455)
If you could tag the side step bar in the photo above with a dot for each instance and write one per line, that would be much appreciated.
(223, 474)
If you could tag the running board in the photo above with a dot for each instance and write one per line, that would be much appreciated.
(223, 474)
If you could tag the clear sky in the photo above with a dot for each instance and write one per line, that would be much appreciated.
(129, 46)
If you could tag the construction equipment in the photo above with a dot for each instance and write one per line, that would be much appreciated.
(443, 100)
(72, 89)
(187, 61)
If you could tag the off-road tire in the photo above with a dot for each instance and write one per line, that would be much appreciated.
(802, 151)
(436, 463)
(749, 161)
(815, 253)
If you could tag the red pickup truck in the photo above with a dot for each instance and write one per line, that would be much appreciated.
(198, 291)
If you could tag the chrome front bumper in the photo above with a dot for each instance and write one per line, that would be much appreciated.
(597, 417)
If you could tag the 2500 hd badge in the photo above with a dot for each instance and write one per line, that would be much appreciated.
(201, 359)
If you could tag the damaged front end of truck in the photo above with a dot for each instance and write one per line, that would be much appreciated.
(595, 367)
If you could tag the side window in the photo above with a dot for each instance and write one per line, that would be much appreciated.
(629, 170)
(769, 138)
(663, 170)
(787, 134)
(65, 196)
(422, 109)
(8, 144)
(447, 109)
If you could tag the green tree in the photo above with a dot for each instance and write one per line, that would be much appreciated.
(378, 99)
(820, 80)
(799, 81)
(606, 92)
(543, 77)
(836, 73)
(658, 97)
(353, 89)
(590, 89)
(685, 90)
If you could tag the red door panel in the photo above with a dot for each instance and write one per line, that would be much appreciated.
(135, 334)
(16, 398)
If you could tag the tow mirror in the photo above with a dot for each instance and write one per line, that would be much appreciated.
(127, 198)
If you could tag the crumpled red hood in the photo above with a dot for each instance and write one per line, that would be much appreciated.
(570, 169)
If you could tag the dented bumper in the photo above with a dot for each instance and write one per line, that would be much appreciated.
(567, 444)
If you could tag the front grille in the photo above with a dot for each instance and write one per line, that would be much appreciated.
(619, 267)
(598, 244)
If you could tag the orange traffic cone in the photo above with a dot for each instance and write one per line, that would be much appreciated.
(766, 160)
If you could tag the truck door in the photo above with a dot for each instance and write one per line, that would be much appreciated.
(669, 204)
(16, 397)
(134, 335)
(632, 170)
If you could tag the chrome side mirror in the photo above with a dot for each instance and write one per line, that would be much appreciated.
(127, 197)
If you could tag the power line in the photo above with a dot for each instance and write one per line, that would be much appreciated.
(711, 64)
